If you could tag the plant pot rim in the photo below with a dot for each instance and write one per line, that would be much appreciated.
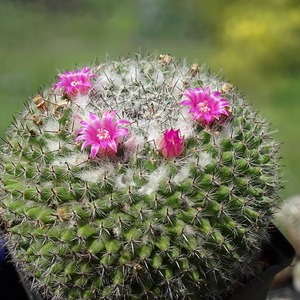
(281, 254)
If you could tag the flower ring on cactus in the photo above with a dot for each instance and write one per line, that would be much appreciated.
(206, 106)
(171, 144)
(103, 134)
(75, 83)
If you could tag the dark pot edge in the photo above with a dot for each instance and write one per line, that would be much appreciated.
(281, 254)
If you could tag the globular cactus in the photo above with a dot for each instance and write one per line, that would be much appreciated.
(143, 178)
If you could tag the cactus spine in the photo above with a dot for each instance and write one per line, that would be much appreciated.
(116, 187)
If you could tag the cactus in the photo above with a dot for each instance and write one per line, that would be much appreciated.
(143, 178)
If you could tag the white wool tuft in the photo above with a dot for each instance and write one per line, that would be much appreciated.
(189, 230)
(177, 82)
(133, 73)
(125, 180)
(97, 174)
(133, 145)
(76, 122)
(81, 101)
(51, 126)
(183, 173)
(154, 134)
(54, 145)
(159, 77)
(204, 159)
(72, 160)
(226, 130)
(185, 123)
(154, 179)
(117, 231)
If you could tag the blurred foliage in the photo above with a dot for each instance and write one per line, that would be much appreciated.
(255, 44)
(262, 35)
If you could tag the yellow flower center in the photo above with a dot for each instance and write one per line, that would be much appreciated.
(76, 82)
(202, 106)
(103, 135)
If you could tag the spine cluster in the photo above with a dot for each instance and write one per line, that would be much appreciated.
(142, 178)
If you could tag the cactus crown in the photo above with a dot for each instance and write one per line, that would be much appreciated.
(142, 178)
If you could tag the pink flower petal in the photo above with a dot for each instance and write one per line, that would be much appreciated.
(94, 150)
(205, 106)
(171, 145)
(102, 134)
(76, 82)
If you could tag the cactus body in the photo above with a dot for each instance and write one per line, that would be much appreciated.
(138, 218)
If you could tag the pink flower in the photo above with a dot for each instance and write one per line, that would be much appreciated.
(171, 145)
(102, 134)
(75, 83)
(206, 106)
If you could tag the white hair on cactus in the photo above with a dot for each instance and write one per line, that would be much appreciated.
(185, 124)
(51, 126)
(204, 159)
(178, 83)
(48, 184)
(82, 101)
(154, 134)
(101, 82)
(97, 174)
(124, 180)
(117, 231)
(106, 78)
(76, 122)
(133, 145)
(226, 131)
(182, 174)
(154, 179)
(133, 73)
(75, 159)
(54, 145)
(159, 77)
(189, 230)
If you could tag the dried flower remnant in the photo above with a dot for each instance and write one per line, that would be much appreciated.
(36, 119)
(205, 106)
(165, 59)
(102, 134)
(40, 103)
(226, 88)
(171, 144)
(194, 70)
(76, 82)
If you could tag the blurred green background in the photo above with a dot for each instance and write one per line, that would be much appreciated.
(254, 44)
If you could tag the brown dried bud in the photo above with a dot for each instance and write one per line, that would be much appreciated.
(194, 70)
(60, 106)
(36, 119)
(63, 214)
(226, 88)
(40, 103)
(165, 59)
